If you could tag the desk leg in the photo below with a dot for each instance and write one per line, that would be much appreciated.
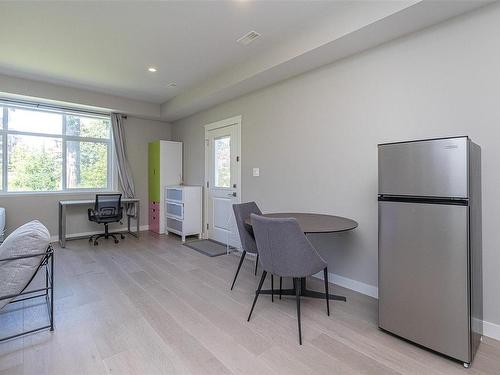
(59, 223)
(137, 218)
(62, 225)
(128, 223)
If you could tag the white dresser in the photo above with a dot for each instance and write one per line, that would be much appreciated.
(183, 215)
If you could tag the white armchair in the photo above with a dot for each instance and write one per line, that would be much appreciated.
(23, 253)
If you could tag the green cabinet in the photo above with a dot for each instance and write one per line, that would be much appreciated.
(154, 171)
(164, 169)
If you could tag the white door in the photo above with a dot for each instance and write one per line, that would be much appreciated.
(222, 180)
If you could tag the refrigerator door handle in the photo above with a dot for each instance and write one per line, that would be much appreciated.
(429, 200)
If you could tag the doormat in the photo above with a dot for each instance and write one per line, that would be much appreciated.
(209, 248)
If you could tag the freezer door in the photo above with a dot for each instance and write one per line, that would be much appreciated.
(434, 168)
(423, 275)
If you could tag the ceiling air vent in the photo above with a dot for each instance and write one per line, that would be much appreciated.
(248, 38)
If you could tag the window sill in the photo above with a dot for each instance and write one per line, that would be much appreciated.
(55, 193)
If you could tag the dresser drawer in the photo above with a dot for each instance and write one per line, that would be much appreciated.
(174, 224)
(174, 194)
(175, 210)
(154, 217)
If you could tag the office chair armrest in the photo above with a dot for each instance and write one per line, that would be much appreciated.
(91, 213)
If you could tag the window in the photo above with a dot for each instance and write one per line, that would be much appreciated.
(222, 148)
(44, 150)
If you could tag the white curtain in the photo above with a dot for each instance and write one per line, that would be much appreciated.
(125, 179)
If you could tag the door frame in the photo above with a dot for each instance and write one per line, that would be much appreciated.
(236, 120)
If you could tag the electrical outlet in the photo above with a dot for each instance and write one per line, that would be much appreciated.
(256, 172)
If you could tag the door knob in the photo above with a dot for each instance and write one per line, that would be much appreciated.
(232, 194)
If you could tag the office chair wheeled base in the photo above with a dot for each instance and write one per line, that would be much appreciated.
(106, 235)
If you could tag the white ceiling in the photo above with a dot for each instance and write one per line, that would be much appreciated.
(107, 46)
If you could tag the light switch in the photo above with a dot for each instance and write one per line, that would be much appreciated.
(256, 172)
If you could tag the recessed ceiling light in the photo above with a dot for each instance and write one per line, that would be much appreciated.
(173, 84)
(152, 69)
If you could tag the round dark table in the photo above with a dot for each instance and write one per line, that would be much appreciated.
(316, 223)
(312, 223)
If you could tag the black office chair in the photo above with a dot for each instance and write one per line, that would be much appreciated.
(107, 209)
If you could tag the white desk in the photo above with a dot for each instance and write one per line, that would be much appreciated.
(90, 203)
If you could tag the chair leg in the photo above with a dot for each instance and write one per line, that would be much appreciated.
(239, 266)
(257, 292)
(105, 235)
(114, 237)
(256, 264)
(272, 288)
(52, 292)
(325, 276)
(97, 237)
(281, 283)
(296, 282)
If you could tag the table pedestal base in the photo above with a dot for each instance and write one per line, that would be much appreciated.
(304, 292)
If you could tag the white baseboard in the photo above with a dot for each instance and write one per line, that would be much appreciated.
(53, 239)
(348, 283)
(489, 329)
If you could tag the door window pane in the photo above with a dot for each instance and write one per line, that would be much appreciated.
(34, 163)
(222, 151)
(35, 121)
(87, 127)
(87, 165)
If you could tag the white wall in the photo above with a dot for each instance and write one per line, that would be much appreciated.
(315, 136)
(44, 207)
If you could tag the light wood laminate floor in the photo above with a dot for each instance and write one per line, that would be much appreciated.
(153, 306)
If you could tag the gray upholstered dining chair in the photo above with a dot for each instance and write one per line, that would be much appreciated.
(242, 212)
(285, 251)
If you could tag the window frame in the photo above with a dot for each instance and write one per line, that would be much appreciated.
(64, 112)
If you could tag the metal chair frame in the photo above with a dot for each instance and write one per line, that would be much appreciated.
(47, 292)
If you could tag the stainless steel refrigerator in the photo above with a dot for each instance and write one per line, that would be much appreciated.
(430, 263)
